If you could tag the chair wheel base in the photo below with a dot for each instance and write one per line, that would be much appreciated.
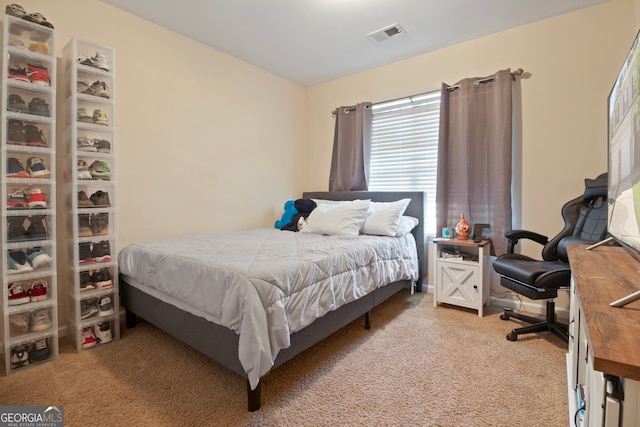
(504, 317)
(512, 336)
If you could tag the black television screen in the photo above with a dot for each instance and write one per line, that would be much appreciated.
(624, 154)
(624, 160)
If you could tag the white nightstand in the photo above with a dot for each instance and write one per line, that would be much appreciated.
(462, 273)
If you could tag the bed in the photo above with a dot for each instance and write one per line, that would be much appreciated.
(283, 313)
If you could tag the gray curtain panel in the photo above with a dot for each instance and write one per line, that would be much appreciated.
(474, 155)
(351, 149)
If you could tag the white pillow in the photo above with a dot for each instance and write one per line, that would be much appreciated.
(407, 223)
(343, 219)
(383, 217)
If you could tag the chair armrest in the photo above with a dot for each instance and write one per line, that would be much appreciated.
(514, 236)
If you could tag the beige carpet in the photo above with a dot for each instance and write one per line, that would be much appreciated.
(417, 366)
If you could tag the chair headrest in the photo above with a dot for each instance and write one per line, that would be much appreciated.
(595, 188)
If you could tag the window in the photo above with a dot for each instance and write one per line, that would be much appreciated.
(404, 148)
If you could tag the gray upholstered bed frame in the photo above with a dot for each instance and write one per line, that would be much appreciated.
(221, 344)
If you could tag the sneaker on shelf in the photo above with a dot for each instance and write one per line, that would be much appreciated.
(15, 10)
(100, 224)
(86, 144)
(83, 170)
(15, 169)
(17, 200)
(86, 281)
(88, 309)
(100, 170)
(38, 257)
(16, 103)
(36, 199)
(36, 168)
(83, 116)
(100, 199)
(39, 351)
(20, 322)
(16, 72)
(88, 338)
(15, 132)
(84, 228)
(102, 332)
(17, 43)
(35, 137)
(84, 253)
(38, 291)
(12, 268)
(40, 320)
(37, 229)
(38, 75)
(39, 106)
(100, 118)
(17, 294)
(15, 229)
(102, 145)
(98, 61)
(101, 251)
(38, 18)
(84, 201)
(84, 87)
(102, 278)
(105, 306)
(100, 89)
(20, 261)
(39, 47)
(19, 356)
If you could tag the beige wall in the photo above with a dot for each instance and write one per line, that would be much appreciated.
(208, 143)
(205, 142)
(571, 62)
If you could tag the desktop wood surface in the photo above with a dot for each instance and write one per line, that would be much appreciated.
(602, 275)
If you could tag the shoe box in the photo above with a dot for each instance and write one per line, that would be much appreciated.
(92, 85)
(31, 322)
(27, 165)
(30, 103)
(28, 226)
(30, 37)
(28, 132)
(29, 197)
(32, 351)
(28, 71)
(93, 113)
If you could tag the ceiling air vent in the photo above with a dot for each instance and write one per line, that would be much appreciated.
(385, 33)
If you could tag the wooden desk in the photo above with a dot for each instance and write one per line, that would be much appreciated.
(604, 341)
(603, 275)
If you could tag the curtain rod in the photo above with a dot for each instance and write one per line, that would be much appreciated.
(516, 73)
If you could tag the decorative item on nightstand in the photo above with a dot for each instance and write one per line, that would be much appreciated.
(463, 228)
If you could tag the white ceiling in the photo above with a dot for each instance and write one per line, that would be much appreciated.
(312, 41)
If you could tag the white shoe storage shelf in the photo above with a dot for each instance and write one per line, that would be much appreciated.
(29, 298)
(88, 263)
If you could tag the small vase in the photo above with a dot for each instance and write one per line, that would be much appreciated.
(463, 229)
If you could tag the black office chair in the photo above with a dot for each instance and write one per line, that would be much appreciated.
(585, 221)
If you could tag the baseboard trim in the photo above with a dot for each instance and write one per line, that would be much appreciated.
(533, 308)
(528, 307)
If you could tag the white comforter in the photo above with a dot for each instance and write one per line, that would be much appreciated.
(265, 284)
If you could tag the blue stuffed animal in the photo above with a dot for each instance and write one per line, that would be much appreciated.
(290, 211)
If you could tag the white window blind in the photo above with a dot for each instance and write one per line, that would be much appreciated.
(404, 150)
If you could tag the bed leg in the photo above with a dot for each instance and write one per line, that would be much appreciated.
(367, 320)
(253, 397)
(130, 319)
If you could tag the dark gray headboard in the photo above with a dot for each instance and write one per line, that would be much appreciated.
(417, 208)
